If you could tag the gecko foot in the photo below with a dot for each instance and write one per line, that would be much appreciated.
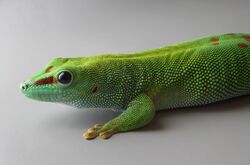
(96, 130)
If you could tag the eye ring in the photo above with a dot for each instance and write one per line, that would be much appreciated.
(64, 77)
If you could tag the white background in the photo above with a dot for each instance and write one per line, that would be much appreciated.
(32, 32)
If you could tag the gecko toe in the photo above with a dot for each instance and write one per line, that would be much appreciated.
(106, 134)
(90, 135)
(92, 130)
(98, 126)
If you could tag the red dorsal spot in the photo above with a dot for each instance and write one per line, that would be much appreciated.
(43, 81)
(242, 45)
(214, 39)
(48, 69)
(246, 38)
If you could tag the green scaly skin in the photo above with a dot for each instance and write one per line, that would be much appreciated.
(193, 73)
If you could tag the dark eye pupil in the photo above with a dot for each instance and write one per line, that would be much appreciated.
(64, 77)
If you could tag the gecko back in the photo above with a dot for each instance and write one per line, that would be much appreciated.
(206, 70)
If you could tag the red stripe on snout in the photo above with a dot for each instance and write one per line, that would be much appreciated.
(43, 81)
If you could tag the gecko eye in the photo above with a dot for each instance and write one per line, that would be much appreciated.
(64, 77)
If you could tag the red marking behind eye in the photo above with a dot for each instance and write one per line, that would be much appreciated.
(246, 38)
(48, 69)
(242, 45)
(214, 39)
(43, 81)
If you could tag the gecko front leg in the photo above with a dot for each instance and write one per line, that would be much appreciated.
(140, 112)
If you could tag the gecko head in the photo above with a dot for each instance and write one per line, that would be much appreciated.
(59, 81)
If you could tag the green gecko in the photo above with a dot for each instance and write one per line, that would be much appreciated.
(192, 73)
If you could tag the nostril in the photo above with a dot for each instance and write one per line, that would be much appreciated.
(24, 86)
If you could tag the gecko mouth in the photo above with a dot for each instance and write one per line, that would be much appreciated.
(44, 81)
(43, 89)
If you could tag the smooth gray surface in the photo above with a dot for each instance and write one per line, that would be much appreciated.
(32, 32)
